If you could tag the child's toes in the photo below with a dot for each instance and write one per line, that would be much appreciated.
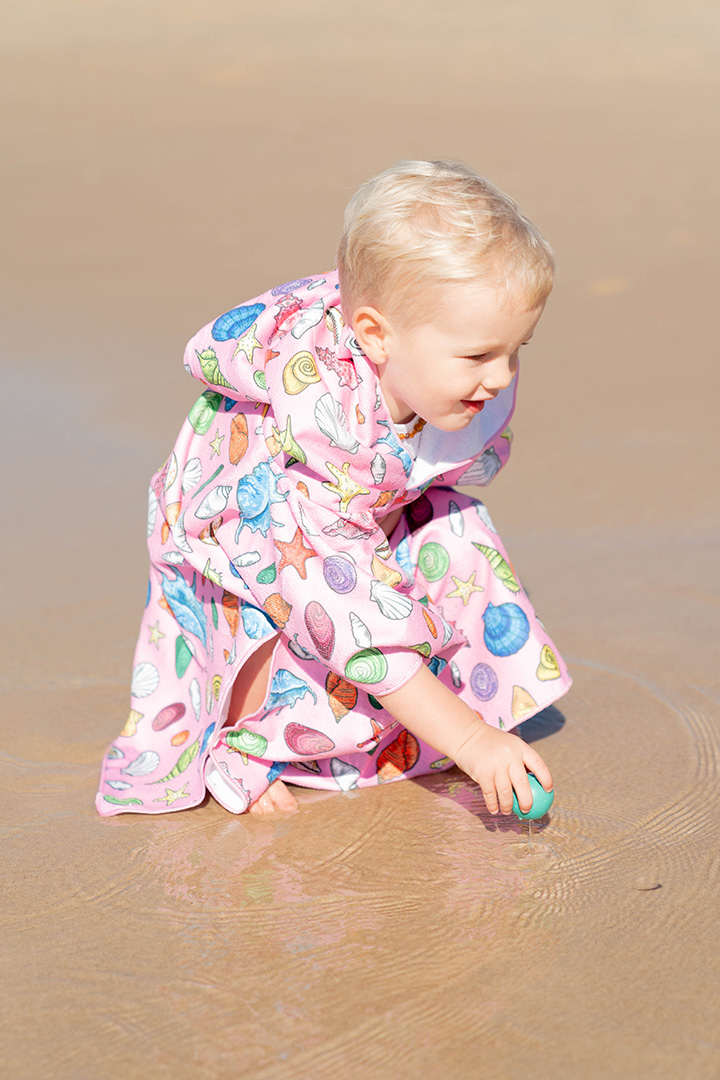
(277, 797)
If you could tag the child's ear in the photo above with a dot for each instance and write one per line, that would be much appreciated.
(372, 331)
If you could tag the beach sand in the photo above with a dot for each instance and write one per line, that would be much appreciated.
(168, 160)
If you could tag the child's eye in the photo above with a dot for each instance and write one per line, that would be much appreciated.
(480, 356)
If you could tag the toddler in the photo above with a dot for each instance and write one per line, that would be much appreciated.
(324, 608)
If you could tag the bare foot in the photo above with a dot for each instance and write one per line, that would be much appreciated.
(277, 797)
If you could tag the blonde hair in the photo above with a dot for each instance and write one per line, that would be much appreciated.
(421, 225)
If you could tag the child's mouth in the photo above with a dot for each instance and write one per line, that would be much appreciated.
(474, 406)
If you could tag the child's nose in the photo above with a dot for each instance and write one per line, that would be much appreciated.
(501, 373)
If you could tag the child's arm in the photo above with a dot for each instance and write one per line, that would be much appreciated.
(496, 760)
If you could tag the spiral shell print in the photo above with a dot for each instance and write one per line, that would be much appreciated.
(214, 502)
(247, 742)
(483, 682)
(342, 695)
(360, 632)
(548, 668)
(320, 628)
(506, 629)
(500, 567)
(345, 775)
(299, 372)
(339, 573)
(366, 666)
(433, 561)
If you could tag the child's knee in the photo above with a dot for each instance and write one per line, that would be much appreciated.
(250, 687)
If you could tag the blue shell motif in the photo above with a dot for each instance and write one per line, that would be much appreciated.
(185, 606)
(206, 737)
(391, 440)
(256, 493)
(506, 629)
(286, 689)
(256, 623)
(233, 324)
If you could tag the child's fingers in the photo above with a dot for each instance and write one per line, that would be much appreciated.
(505, 794)
(520, 782)
(489, 795)
(533, 762)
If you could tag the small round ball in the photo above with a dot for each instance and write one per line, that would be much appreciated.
(542, 801)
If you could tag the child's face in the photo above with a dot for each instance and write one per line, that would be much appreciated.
(445, 369)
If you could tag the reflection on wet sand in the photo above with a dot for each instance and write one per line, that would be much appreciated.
(168, 161)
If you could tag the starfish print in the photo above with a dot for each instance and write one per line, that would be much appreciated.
(156, 635)
(294, 553)
(247, 344)
(465, 589)
(345, 488)
(170, 796)
(216, 443)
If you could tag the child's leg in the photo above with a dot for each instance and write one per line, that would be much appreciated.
(248, 695)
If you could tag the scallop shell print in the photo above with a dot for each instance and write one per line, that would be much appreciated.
(145, 679)
(192, 475)
(320, 628)
(234, 323)
(392, 604)
(331, 420)
(506, 629)
(299, 372)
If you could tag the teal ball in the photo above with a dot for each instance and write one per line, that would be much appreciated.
(542, 801)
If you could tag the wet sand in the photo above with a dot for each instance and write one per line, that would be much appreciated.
(167, 161)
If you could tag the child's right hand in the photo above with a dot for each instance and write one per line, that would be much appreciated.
(496, 760)
(499, 762)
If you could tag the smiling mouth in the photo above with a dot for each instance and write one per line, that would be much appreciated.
(475, 406)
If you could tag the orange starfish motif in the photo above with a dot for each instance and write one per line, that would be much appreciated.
(295, 554)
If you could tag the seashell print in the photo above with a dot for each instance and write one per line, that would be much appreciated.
(350, 530)
(267, 575)
(430, 624)
(378, 468)
(172, 472)
(334, 322)
(457, 521)
(247, 742)
(114, 753)
(484, 515)
(211, 369)
(340, 574)
(331, 420)
(186, 758)
(299, 372)
(320, 628)
(172, 512)
(196, 698)
(214, 502)
(455, 675)
(360, 632)
(185, 606)
(192, 475)
(143, 765)
(299, 650)
(152, 510)
(523, 703)
(210, 572)
(278, 609)
(259, 379)
(419, 513)
(548, 668)
(203, 412)
(500, 567)
(180, 738)
(183, 655)
(179, 535)
(392, 604)
(256, 624)
(234, 323)
(345, 775)
(506, 629)
(360, 415)
(216, 684)
(308, 318)
(248, 558)
(366, 666)
(342, 695)
(385, 573)
(118, 785)
(483, 682)
(145, 679)
(424, 648)
(134, 717)
(433, 561)
(307, 742)
(291, 286)
(309, 766)
(402, 754)
(285, 691)
(168, 716)
(230, 611)
(174, 558)
(307, 528)
(238, 439)
(441, 763)
(483, 469)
